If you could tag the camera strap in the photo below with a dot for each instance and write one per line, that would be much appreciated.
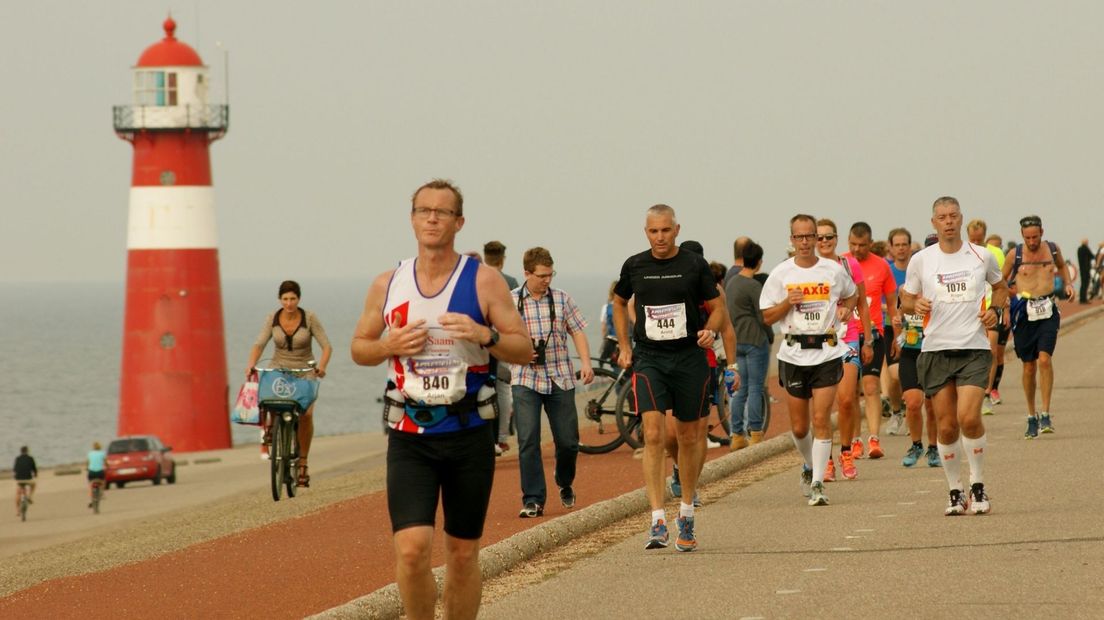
(551, 309)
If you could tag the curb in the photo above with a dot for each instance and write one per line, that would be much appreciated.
(506, 554)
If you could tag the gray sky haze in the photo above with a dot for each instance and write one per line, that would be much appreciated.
(561, 121)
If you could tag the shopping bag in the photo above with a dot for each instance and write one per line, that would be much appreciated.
(245, 409)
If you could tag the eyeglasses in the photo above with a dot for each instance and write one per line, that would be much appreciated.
(826, 237)
(808, 237)
(544, 276)
(1030, 221)
(425, 212)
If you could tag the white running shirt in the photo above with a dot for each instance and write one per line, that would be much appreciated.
(956, 285)
(824, 284)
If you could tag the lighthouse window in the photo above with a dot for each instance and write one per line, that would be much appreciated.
(155, 88)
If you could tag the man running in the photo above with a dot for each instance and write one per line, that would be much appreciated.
(946, 284)
(900, 252)
(811, 297)
(998, 336)
(670, 371)
(436, 319)
(879, 285)
(1035, 320)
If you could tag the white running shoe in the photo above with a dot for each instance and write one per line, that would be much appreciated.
(896, 424)
(956, 505)
(817, 496)
(979, 501)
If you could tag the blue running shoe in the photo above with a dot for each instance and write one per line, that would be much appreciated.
(933, 457)
(676, 486)
(657, 537)
(685, 540)
(1032, 427)
(914, 453)
(1044, 423)
(697, 500)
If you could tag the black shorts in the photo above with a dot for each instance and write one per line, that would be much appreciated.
(889, 336)
(458, 467)
(95, 475)
(874, 368)
(1002, 333)
(906, 370)
(1033, 337)
(677, 380)
(936, 369)
(800, 381)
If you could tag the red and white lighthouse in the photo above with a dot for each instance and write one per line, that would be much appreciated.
(174, 381)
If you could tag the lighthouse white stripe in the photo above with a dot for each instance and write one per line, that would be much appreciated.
(174, 217)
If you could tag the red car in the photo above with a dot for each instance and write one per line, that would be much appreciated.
(139, 457)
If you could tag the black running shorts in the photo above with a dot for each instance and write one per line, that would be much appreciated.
(1002, 333)
(936, 369)
(906, 369)
(459, 467)
(887, 339)
(677, 380)
(95, 475)
(800, 381)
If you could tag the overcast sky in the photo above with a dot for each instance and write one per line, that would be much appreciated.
(561, 121)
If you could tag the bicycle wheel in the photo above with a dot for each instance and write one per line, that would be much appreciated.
(291, 449)
(766, 410)
(598, 431)
(721, 430)
(628, 418)
(276, 456)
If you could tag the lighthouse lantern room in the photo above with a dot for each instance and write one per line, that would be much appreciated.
(174, 381)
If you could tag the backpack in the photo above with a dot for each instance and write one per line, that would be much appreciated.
(1017, 259)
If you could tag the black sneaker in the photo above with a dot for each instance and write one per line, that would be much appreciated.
(957, 504)
(531, 510)
(567, 497)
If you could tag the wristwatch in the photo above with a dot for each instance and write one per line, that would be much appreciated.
(494, 339)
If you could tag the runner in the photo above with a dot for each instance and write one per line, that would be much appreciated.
(911, 338)
(811, 297)
(436, 318)
(879, 285)
(856, 334)
(671, 372)
(946, 284)
(1035, 318)
(998, 336)
(900, 252)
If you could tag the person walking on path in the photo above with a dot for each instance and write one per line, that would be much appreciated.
(811, 297)
(946, 284)
(1031, 271)
(548, 380)
(752, 347)
(1084, 268)
(436, 319)
(670, 370)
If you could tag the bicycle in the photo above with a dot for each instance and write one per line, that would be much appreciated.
(24, 500)
(97, 495)
(603, 413)
(284, 395)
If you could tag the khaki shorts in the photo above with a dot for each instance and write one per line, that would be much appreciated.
(936, 369)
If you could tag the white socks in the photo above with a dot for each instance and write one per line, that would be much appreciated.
(975, 453)
(822, 451)
(951, 455)
(805, 447)
(659, 515)
(686, 510)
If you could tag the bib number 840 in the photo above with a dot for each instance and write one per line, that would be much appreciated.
(435, 383)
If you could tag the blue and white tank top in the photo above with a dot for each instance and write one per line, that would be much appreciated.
(447, 368)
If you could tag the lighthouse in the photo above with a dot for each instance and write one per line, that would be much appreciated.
(174, 381)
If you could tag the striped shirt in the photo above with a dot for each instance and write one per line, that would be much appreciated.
(537, 314)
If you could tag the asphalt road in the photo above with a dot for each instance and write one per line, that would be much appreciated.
(883, 547)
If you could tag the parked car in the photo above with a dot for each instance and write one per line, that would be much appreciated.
(139, 457)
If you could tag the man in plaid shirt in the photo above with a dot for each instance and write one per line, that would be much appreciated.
(549, 380)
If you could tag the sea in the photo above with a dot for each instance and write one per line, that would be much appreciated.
(62, 350)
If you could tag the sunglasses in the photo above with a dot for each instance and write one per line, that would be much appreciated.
(826, 237)
(1030, 221)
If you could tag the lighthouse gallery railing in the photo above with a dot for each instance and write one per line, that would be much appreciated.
(132, 118)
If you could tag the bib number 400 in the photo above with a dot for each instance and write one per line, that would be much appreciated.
(435, 383)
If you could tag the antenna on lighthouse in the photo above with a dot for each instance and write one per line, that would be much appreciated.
(225, 70)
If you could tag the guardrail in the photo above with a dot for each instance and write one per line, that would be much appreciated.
(208, 117)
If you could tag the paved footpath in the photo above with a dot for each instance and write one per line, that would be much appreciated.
(883, 547)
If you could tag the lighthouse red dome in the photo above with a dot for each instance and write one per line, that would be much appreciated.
(169, 52)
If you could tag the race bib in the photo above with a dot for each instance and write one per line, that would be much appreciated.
(914, 328)
(955, 287)
(814, 314)
(1040, 309)
(435, 380)
(665, 322)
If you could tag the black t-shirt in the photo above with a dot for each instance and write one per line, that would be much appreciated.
(24, 468)
(668, 293)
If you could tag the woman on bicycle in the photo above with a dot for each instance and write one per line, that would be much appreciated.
(96, 460)
(292, 329)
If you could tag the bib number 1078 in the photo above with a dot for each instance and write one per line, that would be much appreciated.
(956, 287)
(435, 383)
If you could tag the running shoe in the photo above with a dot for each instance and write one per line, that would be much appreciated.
(875, 447)
(685, 540)
(806, 481)
(986, 406)
(501, 447)
(913, 455)
(956, 505)
(933, 457)
(856, 448)
(896, 424)
(567, 497)
(817, 497)
(830, 471)
(1044, 423)
(847, 466)
(697, 500)
(657, 537)
(994, 396)
(1032, 427)
(676, 486)
(979, 501)
(531, 510)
